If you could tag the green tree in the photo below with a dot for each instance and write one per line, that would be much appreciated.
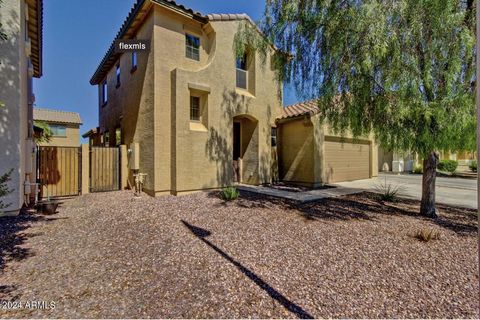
(46, 134)
(403, 70)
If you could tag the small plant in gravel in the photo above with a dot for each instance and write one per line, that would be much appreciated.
(418, 170)
(229, 194)
(427, 234)
(447, 166)
(473, 165)
(387, 191)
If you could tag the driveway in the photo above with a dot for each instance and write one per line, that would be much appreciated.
(452, 191)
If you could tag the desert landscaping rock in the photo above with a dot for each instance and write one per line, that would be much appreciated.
(113, 255)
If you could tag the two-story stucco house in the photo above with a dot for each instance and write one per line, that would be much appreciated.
(64, 126)
(20, 61)
(201, 117)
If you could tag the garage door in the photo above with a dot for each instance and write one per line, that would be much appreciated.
(346, 161)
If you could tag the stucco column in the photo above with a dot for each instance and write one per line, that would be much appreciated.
(85, 168)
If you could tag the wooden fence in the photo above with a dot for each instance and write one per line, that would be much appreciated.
(59, 171)
(104, 169)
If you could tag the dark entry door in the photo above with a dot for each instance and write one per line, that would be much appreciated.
(236, 150)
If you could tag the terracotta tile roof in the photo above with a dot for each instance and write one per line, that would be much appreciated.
(229, 17)
(35, 34)
(50, 115)
(300, 109)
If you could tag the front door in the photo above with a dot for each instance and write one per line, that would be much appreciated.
(236, 150)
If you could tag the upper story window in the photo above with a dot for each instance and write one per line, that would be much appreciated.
(58, 130)
(106, 138)
(194, 108)
(242, 72)
(192, 44)
(104, 92)
(134, 61)
(117, 72)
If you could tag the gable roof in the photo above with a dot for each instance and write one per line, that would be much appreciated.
(136, 14)
(299, 109)
(49, 115)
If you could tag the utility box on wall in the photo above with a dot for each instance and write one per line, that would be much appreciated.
(134, 156)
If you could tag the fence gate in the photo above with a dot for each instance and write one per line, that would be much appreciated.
(104, 169)
(59, 171)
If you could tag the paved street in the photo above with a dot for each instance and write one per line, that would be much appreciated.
(453, 191)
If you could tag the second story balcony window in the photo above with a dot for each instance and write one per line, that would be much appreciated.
(242, 72)
(192, 47)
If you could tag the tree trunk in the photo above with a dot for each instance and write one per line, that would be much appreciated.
(427, 207)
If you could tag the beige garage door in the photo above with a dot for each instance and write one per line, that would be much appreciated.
(346, 161)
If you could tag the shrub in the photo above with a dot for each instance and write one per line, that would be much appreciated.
(387, 191)
(473, 165)
(230, 194)
(448, 166)
(427, 234)
(4, 190)
(418, 169)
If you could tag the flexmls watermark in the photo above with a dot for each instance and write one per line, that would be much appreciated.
(132, 45)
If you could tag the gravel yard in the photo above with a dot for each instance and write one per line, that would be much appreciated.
(111, 255)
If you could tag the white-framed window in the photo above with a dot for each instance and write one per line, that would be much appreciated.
(134, 61)
(242, 72)
(58, 130)
(192, 45)
(194, 108)
(104, 92)
(117, 72)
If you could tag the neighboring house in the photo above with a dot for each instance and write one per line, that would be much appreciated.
(406, 162)
(94, 137)
(64, 125)
(310, 154)
(197, 117)
(20, 61)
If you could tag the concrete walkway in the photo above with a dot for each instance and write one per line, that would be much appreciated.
(301, 196)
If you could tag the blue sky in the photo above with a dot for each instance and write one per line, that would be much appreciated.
(77, 35)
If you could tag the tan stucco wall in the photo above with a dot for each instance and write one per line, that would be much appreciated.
(296, 154)
(203, 159)
(71, 139)
(15, 118)
(131, 106)
(301, 151)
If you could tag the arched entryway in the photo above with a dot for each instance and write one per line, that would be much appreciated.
(245, 149)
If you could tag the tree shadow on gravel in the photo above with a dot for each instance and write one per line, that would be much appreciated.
(202, 234)
(13, 234)
(365, 206)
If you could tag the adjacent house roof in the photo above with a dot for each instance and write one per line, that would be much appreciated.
(136, 15)
(299, 109)
(91, 132)
(49, 115)
(35, 34)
